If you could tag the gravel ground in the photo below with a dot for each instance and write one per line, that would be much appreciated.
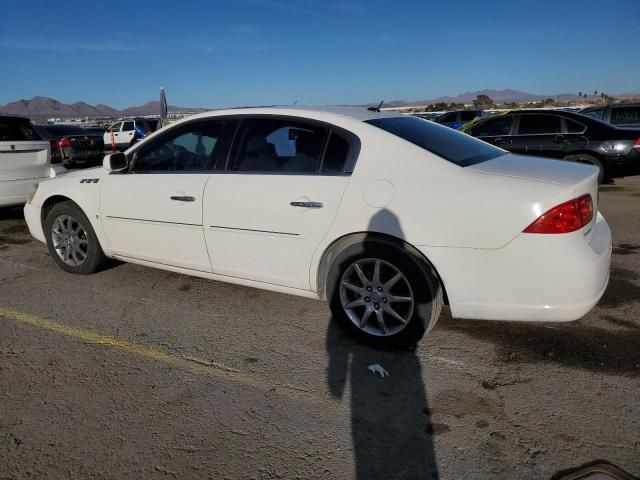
(140, 373)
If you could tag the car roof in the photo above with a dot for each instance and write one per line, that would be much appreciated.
(14, 117)
(355, 113)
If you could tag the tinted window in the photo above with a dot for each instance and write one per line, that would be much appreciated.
(599, 113)
(273, 145)
(336, 154)
(625, 115)
(17, 130)
(538, 124)
(55, 131)
(493, 128)
(456, 147)
(447, 117)
(115, 127)
(191, 148)
(468, 115)
(127, 126)
(574, 127)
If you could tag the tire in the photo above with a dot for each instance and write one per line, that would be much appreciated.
(66, 222)
(350, 305)
(591, 160)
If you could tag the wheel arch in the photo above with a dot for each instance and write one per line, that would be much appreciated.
(341, 243)
(52, 201)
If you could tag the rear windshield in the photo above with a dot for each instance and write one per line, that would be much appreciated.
(17, 130)
(456, 147)
(61, 130)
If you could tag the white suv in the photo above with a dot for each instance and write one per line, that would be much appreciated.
(24, 159)
(127, 132)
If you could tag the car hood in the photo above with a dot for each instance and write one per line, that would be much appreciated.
(549, 170)
(93, 172)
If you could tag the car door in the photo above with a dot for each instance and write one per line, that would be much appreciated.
(574, 133)
(539, 134)
(112, 135)
(153, 212)
(126, 134)
(496, 131)
(266, 215)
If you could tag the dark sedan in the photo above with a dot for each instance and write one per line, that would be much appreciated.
(563, 135)
(73, 145)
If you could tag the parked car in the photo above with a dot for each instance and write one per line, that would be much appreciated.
(382, 214)
(620, 115)
(458, 118)
(563, 135)
(128, 132)
(24, 159)
(73, 145)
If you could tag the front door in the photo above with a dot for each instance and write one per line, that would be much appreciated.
(153, 212)
(265, 217)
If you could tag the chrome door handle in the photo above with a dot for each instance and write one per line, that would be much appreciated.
(306, 204)
(182, 198)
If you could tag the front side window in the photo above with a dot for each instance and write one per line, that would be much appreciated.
(115, 127)
(187, 149)
(539, 124)
(449, 144)
(127, 126)
(276, 145)
(493, 128)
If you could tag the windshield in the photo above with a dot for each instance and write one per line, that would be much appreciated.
(445, 142)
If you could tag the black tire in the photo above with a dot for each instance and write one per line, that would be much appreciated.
(422, 280)
(591, 160)
(94, 258)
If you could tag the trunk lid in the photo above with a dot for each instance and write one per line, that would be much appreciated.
(24, 160)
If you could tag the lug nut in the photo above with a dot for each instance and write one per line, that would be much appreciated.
(367, 299)
(379, 289)
(384, 299)
(376, 306)
(368, 289)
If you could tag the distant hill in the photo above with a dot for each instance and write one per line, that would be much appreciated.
(498, 96)
(44, 107)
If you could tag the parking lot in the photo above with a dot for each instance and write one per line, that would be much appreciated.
(140, 373)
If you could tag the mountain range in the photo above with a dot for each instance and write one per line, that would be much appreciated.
(44, 107)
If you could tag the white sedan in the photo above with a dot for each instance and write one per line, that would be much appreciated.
(386, 216)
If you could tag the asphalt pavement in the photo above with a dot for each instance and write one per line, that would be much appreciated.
(139, 373)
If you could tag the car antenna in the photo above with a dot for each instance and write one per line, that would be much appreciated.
(295, 103)
(376, 109)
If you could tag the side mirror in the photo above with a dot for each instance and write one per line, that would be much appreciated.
(115, 162)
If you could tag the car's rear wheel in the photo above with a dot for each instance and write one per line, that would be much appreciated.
(384, 294)
(71, 240)
(590, 160)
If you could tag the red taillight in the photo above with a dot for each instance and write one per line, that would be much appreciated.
(64, 143)
(566, 217)
(56, 154)
(637, 144)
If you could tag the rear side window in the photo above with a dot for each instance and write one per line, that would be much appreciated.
(17, 130)
(493, 128)
(336, 154)
(539, 124)
(625, 115)
(449, 144)
(574, 127)
(469, 115)
(599, 113)
(277, 145)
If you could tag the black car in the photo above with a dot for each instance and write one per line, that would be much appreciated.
(73, 145)
(563, 135)
(620, 115)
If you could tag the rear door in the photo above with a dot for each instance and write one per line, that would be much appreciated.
(24, 157)
(540, 134)
(266, 215)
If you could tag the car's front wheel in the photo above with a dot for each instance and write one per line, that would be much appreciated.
(384, 294)
(71, 240)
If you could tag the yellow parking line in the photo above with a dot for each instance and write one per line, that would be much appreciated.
(194, 365)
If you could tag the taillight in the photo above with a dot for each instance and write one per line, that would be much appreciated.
(56, 154)
(637, 144)
(566, 217)
(64, 143)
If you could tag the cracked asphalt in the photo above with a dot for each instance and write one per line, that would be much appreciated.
(140, 373)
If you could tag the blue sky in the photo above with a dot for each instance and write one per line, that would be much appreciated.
(220, 53)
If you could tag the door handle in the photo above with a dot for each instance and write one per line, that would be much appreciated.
(183, 198)
(501, 141)
(306, 204)
(559, 139)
